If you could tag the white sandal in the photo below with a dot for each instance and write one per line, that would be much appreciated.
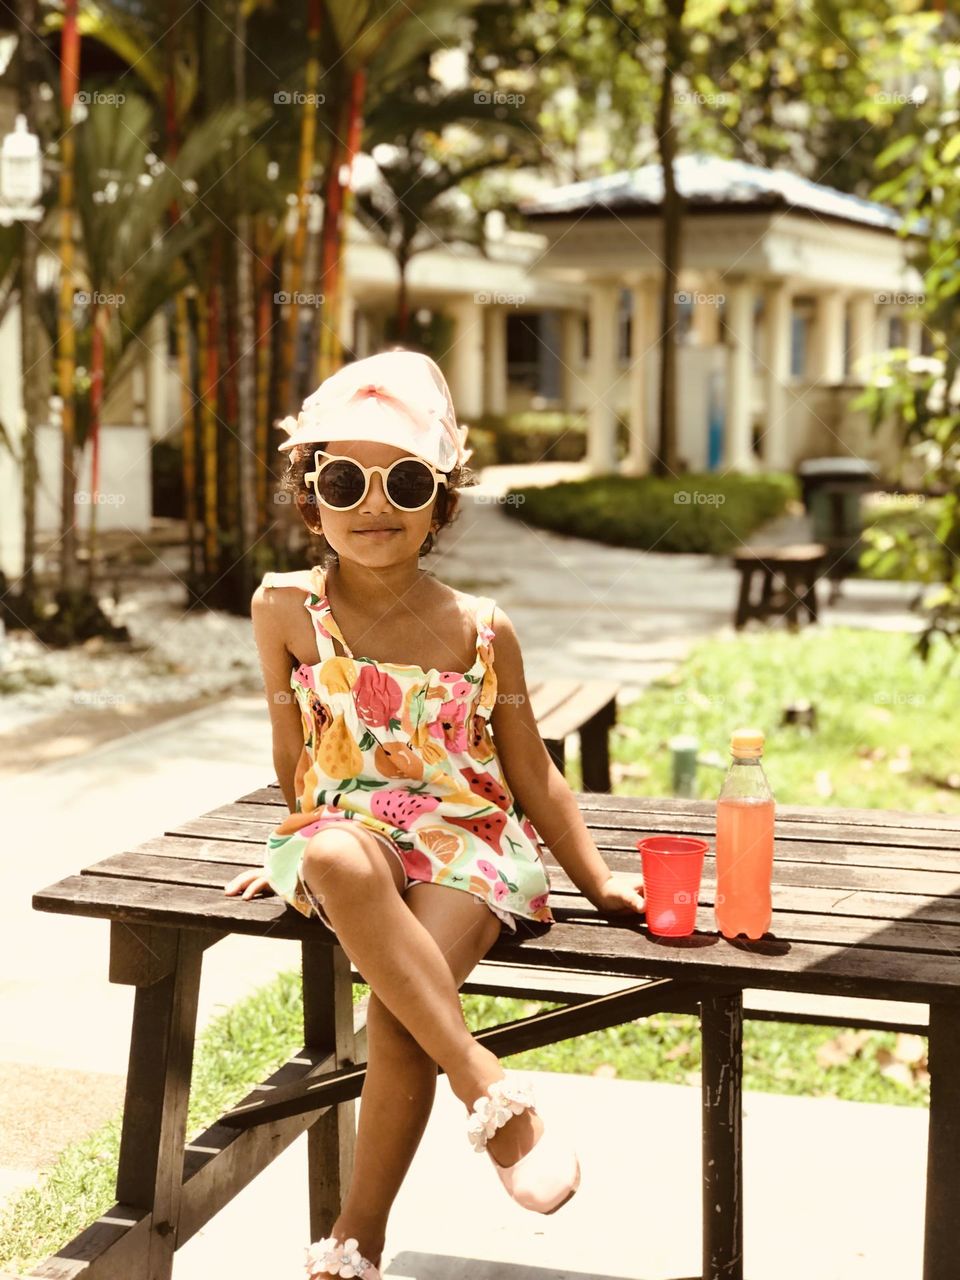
(549, 1174)
(327, 1257)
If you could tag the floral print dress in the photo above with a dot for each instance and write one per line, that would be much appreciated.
(410, 754)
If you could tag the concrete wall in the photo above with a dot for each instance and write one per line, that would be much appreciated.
(124, 499)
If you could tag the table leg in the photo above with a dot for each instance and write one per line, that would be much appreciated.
(595, 749)
(150, 1169)
(721, 1032)
(743, 600)
(941, 1245)
(328, 1026)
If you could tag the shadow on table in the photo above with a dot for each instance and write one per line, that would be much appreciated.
(408, 1265)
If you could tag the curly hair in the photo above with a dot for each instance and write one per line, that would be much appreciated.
(293, 482)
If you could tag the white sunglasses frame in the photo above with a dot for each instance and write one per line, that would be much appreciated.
(313, 477)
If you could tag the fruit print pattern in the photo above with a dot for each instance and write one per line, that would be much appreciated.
(409, 753)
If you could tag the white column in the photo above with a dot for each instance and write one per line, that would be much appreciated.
(777, 325)
(914, 334)
(348, 310)
(463, 362)
(738, 451)
(363, 335)
(863, 327)
(157, 376)
(643, 349)
(495, 345)
(831, 308)
(706, 313)
(575, 390)
(601, 432)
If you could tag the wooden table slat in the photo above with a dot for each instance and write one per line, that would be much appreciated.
(871, 904)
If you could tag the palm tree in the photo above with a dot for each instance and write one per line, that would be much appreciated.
(411, 208)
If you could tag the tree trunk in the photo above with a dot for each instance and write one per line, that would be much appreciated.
(666, 461)
(188, 438)
(290, 390)
(336, 207)
(31, 343)
(66, 334)
(208, 326)
(265, 437)
(246, 373)
(403, 300)
(96, 402)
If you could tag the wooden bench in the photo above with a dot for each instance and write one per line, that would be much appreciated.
(788, 582)
(866, 906)
(585, 707)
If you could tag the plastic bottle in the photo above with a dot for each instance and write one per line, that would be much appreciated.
(745, 819)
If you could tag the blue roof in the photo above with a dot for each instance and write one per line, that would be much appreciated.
(706, 181)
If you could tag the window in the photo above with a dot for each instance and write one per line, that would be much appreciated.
(800, 322)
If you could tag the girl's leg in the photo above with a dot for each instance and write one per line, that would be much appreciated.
(401, 1079)
(399, 958)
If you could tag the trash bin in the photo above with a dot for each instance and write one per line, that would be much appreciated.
(833, 490)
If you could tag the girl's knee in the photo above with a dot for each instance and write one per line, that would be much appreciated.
(337, 856)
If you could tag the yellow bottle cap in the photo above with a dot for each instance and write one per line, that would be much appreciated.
(747, 743)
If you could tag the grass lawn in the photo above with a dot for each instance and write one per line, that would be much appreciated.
(886, 737)
(886, 722)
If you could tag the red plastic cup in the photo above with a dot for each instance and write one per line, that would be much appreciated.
(672, 867)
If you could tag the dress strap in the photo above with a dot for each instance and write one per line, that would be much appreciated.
(484, 615)
(311, 583)
(324, 624)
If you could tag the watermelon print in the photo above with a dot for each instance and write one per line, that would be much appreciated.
(410, 754)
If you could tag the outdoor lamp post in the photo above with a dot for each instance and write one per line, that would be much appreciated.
(21, 175)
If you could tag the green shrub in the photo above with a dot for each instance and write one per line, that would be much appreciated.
(531, 436)
(695, 513)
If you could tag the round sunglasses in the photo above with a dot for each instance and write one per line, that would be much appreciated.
(342, 484)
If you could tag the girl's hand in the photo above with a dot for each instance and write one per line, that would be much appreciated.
(250, 882)
(621, 894)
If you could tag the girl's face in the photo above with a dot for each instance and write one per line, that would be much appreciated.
(398, 534)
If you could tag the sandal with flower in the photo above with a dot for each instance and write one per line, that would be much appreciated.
(327, 1257)
(549, 1174)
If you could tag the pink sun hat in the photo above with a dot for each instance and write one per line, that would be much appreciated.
(394, 397)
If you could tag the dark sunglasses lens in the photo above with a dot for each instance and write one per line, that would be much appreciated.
(410, 484)
(341, 484)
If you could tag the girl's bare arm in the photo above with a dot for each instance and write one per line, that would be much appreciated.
(536, 782)
(267, 612)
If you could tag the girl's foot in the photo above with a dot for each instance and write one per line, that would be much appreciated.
(520, 1134)
(369, 1242)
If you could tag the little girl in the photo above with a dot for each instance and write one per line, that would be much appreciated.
(409, 759)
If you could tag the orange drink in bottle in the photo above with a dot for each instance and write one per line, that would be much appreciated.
(744, 847)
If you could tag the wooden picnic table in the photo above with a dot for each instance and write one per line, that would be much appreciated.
(866, 904)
